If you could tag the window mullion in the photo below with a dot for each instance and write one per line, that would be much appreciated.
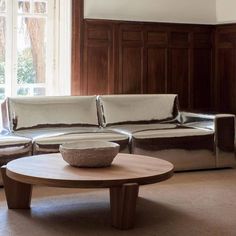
(14, 47)
(31, 6)
(65, 47)
(51, 75)
(9, 45)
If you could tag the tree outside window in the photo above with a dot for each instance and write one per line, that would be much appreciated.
(31, 36)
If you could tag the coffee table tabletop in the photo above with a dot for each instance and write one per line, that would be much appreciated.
(52, 170)
(123, 178)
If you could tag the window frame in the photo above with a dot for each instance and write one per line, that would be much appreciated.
(58, 53)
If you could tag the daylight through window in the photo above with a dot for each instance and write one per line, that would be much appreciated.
(32, 34)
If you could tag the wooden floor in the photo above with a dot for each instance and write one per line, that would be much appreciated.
(191, 203)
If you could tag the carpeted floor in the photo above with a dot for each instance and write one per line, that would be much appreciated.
(192, 203)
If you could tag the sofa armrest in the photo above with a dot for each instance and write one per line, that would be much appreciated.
(197, 120)
(225, 132)
(222, 124)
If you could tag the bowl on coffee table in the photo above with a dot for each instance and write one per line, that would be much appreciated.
(92, 153)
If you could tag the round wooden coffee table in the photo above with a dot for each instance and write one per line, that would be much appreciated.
(123, 178)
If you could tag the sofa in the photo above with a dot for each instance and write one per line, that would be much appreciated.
(142, 124)
(12, 147)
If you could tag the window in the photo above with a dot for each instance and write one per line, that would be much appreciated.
(35, 47)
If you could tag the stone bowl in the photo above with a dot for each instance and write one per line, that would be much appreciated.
(89, 153)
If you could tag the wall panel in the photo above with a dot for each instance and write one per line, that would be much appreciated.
(226, 83)
(98, 64)
(98, 72)
(77, 46)
(156, 70)
(135, 57)
(131, 70)
(178, 81)
(225, 64)
(202, 84)
(130, 59)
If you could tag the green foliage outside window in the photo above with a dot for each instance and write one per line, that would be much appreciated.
(26, 73)
(2, 72)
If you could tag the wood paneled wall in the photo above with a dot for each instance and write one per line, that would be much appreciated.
(225, 64)
(132, 57)
(77, 45)
(196, 61)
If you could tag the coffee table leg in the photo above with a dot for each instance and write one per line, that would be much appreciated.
(123, 205)
(18, 194)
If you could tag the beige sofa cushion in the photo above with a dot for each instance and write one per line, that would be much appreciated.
(74, 137)
(31, 112)
(70, 134)
(118, 109)
(12, 140)
(47, 140)
(171, 133)
(180, 138)
(13, 147)
(133, 128)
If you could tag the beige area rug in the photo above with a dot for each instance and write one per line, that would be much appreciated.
(191, 203)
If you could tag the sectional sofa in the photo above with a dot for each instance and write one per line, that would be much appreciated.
(142, 124)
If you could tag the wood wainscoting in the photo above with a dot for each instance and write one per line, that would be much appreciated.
(198, 62)
(225, 64)
(77, 46)
(135, 57)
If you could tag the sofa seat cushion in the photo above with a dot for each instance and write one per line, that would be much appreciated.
(54, 131)
(169, 133)
(129, 129)
(123, 109)
(12, 147)
(179, 138)
(48, 140)
(166, 136)
(13, 140)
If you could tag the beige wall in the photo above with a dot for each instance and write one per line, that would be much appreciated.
(226, 11)
(179, 11)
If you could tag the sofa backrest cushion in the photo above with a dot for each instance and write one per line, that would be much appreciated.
(123, 109)
(30, 112)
